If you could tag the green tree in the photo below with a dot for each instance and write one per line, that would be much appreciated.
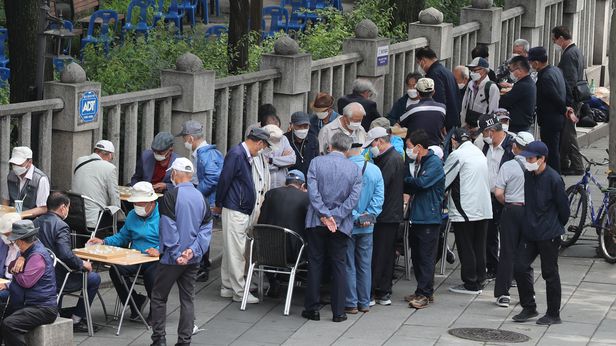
(238, 32)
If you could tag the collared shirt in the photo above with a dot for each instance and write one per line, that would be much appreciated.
(511, 179)
(43, 188)
(494, 155)
(203, 144)
(476, 100)
(329, 130)
(193, 158)
(245, 146)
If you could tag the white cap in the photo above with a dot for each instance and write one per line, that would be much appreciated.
(6, 222)
(182, 164)
(20, 155)
(375, 133)
(143, 191)
(523, 138)
(105, 145)
(437, 150)
(275, 135)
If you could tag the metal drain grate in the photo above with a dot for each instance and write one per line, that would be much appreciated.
(488, 335)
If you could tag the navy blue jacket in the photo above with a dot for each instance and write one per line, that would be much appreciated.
(43, 293)
(236, 189)
(427, 115)
(520, 101)
(446, 91)
(551, 99)
(397, 109)
(145, 168)
(305, 152)
(427, 189)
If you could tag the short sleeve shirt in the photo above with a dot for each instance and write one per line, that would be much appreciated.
(511, 179)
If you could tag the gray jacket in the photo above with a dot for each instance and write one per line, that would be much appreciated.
(572, 64)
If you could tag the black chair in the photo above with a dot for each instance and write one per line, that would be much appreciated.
(77, 219)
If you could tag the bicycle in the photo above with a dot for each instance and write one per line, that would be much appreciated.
(579, 196)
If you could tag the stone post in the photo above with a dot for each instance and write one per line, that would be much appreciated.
(489, 19)
(375, 57)
(291, 89)
(72, 128)
(197, 99)
(532, 19)
(439, 34)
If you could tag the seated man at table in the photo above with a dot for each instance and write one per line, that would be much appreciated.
(33, 290)
(153, 163)
(8, 253)
(26, 183)
(140, 231)
(55, 235)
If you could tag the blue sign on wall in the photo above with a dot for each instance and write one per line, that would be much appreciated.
(88, 106)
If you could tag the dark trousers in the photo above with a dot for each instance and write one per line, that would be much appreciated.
(510, 230)
(424, 243)
(323, 245)
(148, 270)
(471, 242)
(526, 255)
(551, 138)
(74, 284)
(19, 322)
(383, 257)
(492, 242)
(166, 276)
(570, 158)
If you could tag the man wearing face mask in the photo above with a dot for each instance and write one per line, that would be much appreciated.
(482, 95)
(140, 231)
(503, 75)
(350, 124)
(304, 143)
(428, 114)
(153, 163)
(411, 97)
(26, 183)
(462, 75)
(521, 99)
(324, 113)
(8, 253)
(546, 213)
(279, 158)
(363, 93)
(55, 234)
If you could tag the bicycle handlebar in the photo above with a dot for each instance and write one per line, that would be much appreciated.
(593, 162)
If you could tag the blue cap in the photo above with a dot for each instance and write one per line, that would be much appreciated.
(535, 149)
(296, 175)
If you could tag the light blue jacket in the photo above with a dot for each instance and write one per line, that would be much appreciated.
(372, 194)
(140, 233)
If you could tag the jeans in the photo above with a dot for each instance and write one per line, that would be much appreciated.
(75, 284)
(471, 241)
(424, 242)
(358, 268)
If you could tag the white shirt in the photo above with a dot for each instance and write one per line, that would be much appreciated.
(43, 189)
(329, 130)
(494, 155)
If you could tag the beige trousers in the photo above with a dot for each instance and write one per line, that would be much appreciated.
(234, 227)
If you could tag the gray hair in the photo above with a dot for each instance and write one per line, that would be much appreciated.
(522, 42)
(353, 107)
(466, 73)
(362, 85)
(198, 135)
(341, 142)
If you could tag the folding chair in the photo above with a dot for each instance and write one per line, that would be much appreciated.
(77, 218)
(268, 253)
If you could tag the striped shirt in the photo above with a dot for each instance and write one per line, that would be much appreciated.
(428, 115)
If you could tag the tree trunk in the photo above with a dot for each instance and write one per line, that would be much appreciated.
(407, 11)
(256, 8)
(238, 40)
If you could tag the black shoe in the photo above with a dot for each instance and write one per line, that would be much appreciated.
(203, 275)
(160, 342)
(490, 276)
(311, 315)
(82, 327)
(549, 320)
(340, 318)
(274, 290)
(525, 315)
(572, 172)
(451, 257)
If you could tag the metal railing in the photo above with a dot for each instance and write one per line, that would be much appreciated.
(511, 28)
(333, 75)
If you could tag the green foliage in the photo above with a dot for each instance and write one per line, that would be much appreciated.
(5, 94)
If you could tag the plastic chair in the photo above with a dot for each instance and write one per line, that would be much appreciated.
(297, 22)
(4, 35)
(216, 30)
(104, 34)
(279, 20)
(142, 25)
(268, 253)
(173, 14)
(189, 7)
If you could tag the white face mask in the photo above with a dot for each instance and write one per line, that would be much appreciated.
(354, 126)
(140, 211)
(505, 127)
(513, 77)
(412, 93)
(19, 170)
(461, 86)
(375, 151)
(411, 154)
(321, 115)
(487, 140)
(420, 70)
(301, 133)
(531, 167)
(475, 76)
(160, 157)
(188, 146)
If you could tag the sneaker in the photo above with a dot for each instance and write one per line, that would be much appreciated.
(419, 302)
(351, 311)
(413, 296)
(514, 283)
(226, 292)
(250, 300)
(463, 290)
(549, 320)
(525, 315)
(196, 329)
(203, 275)
(490, 276)
(503, 301)
(372, 302)
(384, 299)
(363, 309)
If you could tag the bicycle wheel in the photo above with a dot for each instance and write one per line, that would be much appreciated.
(578, 206)
(607, 235)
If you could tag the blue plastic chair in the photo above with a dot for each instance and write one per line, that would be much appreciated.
(279, 20)
(5, 75)
(297, 22)
(4, 35)
(189, 7)
(173, 14)
(142, 25)
(104, 34)
(216, 31)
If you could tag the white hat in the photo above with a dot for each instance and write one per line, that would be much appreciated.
(182, 164)
(375, 133)
(20, 155)
(143, 191)
(275, 135)
(7, 220)
(437, 150)
(105, 145)
(523, 138)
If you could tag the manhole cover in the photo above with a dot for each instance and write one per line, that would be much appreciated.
(488, 335)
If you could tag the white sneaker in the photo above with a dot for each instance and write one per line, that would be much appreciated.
(503, 301)
(250, 300)
(463, 290)
(226, 292)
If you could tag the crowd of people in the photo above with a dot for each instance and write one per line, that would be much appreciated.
(457, 145)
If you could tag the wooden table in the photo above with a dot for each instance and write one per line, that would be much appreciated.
(127, 191)
(6, 209)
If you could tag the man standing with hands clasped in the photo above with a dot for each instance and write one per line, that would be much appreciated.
(185, 233)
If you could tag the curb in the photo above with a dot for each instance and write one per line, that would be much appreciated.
(586, 136)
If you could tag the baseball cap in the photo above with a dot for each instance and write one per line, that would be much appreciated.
(275, 134)
(105, 145)
(19, 155)
(460, 135)
(373, 134)
(142, 191)
(425, 85)
(502, 113)
(487, 121)
(259, 134)
(296, 175)
(537, 54)
(523, 138)
(182, 164)
(162, 141)
(479, 62)
(300, 118)
(534, 149)
(191, 127)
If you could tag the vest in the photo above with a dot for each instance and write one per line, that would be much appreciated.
(29, 191)
(43, 293)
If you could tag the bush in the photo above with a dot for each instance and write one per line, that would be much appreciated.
(5, 94)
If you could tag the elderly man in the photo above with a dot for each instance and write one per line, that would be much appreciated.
(503, 74)
(140, 232)
(279, 157)
(359, 244)
(363, 93)
(392, 167)
(96, 177)
(303, 141)
(329, 223)
(185, 232)
(153, 163)
(26, 183)
(521, 99)
(462, 75)
(55, 235)
(33, 290)
(350, 124)
(482, 95)
(428, 114)
(324, 113)
(410, 97)
(235, 201)
(8, 253)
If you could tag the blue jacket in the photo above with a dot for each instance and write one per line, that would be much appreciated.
(185, 223)
(209, 165)
(140, 233)
(236, 189)
(427, 189)
(145, 168)
(43, 293)
(372, 194)
(446, 91)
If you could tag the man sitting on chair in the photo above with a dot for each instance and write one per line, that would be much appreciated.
(140, 231)
(8, 253)
(55, 235)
